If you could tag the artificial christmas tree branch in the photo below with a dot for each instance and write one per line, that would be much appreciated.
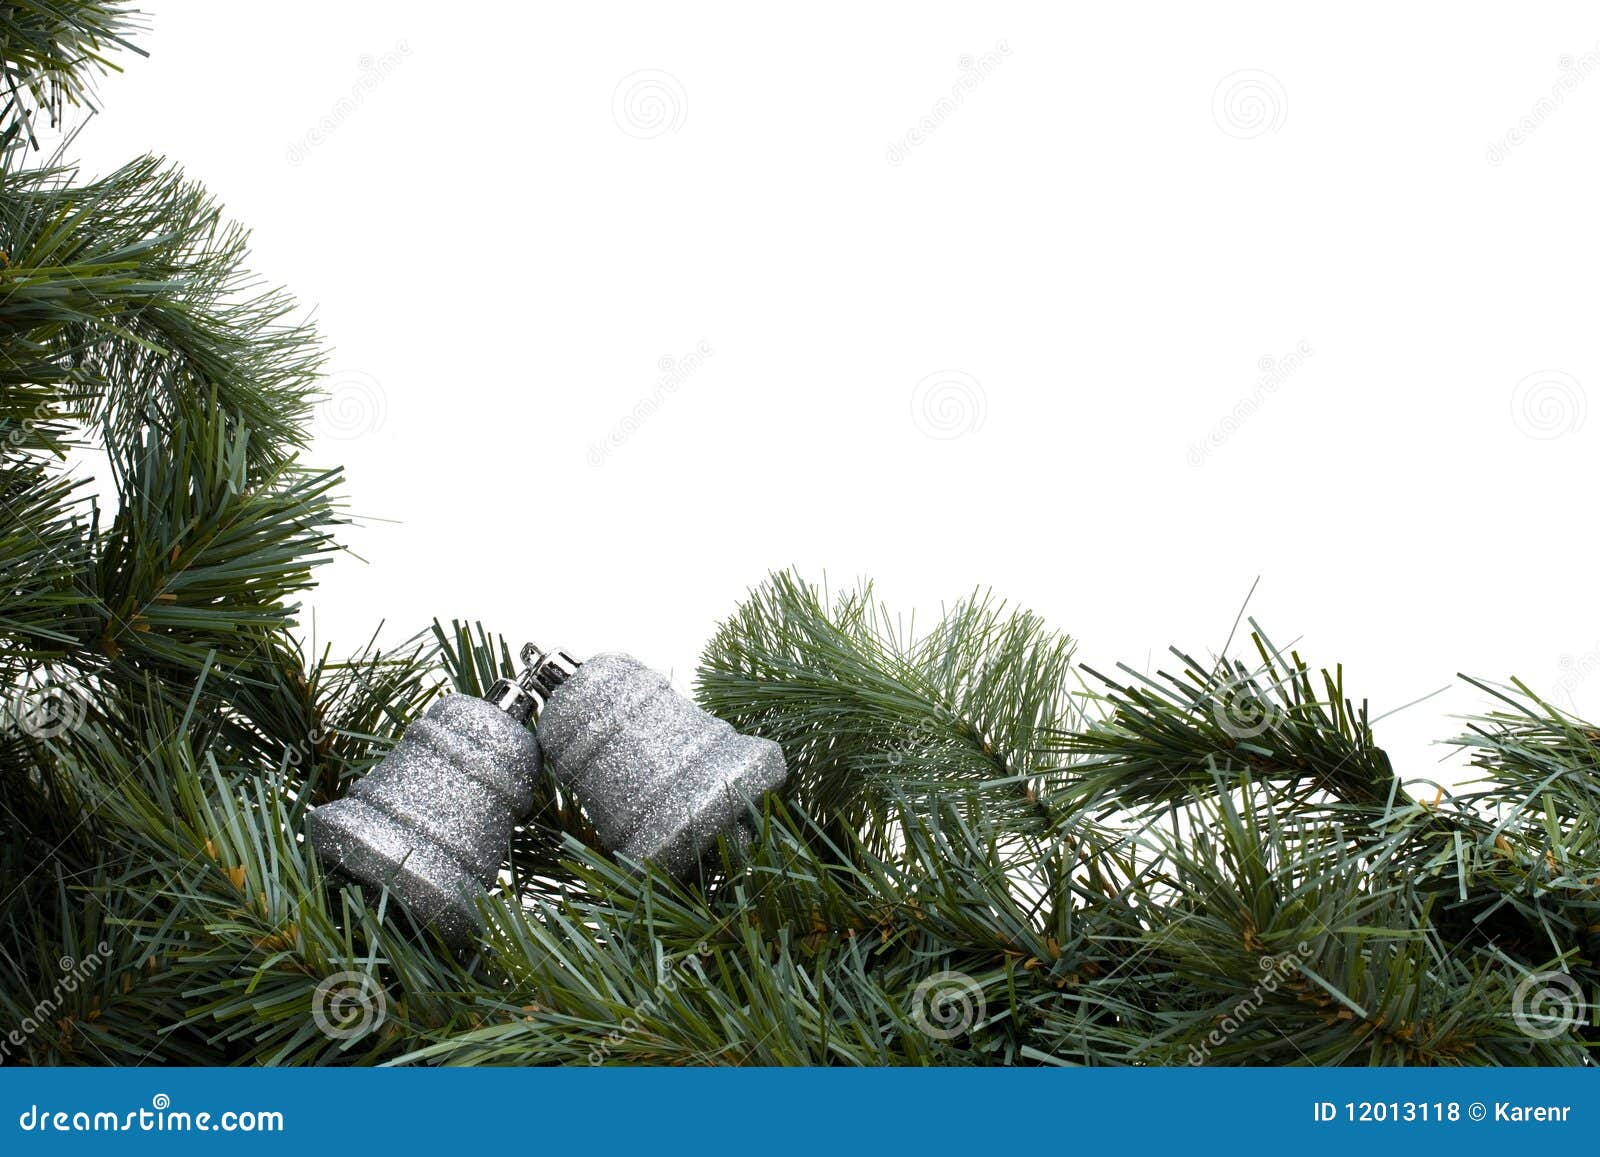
(867, 709)
(126, 296)
(53, 51)
(1167, 733)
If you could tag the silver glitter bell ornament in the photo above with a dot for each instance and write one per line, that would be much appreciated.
(432, 820)
(659, 778)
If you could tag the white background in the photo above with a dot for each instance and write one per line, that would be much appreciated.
(504, 228)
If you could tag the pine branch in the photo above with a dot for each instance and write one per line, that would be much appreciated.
(867, 712)
(126, 299)
(45, 528)
(50, 53)
(1169, 735)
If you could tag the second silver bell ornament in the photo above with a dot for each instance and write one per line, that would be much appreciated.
(660, 778)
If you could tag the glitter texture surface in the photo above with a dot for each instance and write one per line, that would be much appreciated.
(659, 777)
(431, 822)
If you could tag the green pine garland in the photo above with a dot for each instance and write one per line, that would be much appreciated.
(986, 853)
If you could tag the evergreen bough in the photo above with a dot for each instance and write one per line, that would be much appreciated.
(986, 854)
